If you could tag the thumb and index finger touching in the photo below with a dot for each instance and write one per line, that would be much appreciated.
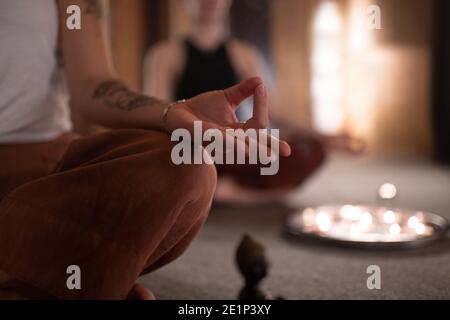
(260, 119)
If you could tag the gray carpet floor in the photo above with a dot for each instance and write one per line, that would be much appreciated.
(308, 271)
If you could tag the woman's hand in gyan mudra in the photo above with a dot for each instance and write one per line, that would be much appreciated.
(217, 110)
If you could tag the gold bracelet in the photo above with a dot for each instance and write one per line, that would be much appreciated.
(163, 122)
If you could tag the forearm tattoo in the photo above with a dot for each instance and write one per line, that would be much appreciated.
(95, 7)
(116, 95)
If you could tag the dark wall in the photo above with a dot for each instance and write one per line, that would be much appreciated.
(249, 21)
(407, 22)
(157, 12)
(441, 80)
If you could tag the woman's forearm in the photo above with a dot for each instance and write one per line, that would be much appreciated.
(94, 88)
(109, 102)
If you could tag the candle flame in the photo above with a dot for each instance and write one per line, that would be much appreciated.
(351, 212)
(413, 222)
(420, 229)
(323, 221)
(387, 191)
(395, 229)
(389, 216)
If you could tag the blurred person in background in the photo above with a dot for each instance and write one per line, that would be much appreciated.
(112, 204)
(208, 58)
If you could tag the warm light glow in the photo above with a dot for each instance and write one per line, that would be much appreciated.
(365, 221)
(387, 191)
(309, 216)
(366, 218)
(362, 79)
(420, 229)
(354, 230)
(358, 35)
(323, 221)
(350, 212)
(413, 222)
(395, 229)
(327, 66)
(327, 19)
(389, 216)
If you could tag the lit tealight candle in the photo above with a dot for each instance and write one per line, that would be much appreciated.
(363, 227)
(354, 229)
(389, 216)
(387, 191)
(420, 229)
(395, 229)
(308, 217)
(366, 218)
(323, 221)
(365, 221)
(374, 225)
(351, 212)
(413, 222)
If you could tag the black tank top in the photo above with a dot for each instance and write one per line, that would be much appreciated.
(205, 71)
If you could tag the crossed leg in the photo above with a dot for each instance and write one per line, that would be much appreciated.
(115, 206)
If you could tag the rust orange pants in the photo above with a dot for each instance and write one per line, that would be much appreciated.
(112, 204)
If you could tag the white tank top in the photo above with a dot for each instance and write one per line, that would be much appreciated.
(33, 98)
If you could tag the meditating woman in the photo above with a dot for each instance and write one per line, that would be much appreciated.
(208, 58)
(111, 205)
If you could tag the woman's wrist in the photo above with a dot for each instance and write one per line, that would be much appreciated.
(163, 126)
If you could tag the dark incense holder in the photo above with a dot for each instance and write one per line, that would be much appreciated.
(253, 266)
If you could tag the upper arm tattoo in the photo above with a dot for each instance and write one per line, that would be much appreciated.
(95, 7)
(116, 95)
